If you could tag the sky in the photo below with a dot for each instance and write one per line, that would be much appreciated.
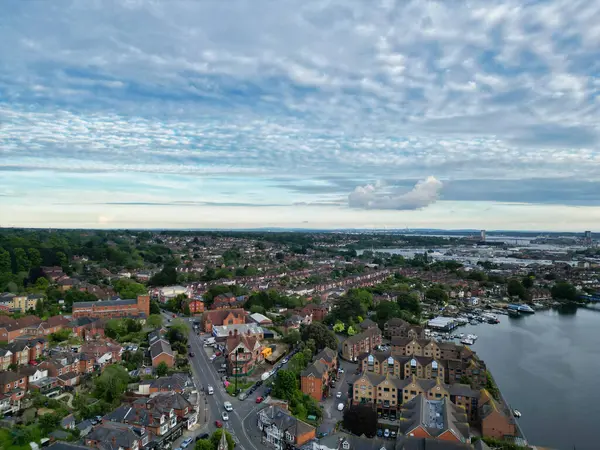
(300, 113)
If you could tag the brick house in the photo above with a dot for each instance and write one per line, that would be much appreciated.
(161, 351)
(318, 312)
(243, 354)
(223, 317)
(496, 421)
(279, 429)
(361, 343)
(13, 385)
(117, 435)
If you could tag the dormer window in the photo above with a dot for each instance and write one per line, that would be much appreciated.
(346, 445)
(289, 437)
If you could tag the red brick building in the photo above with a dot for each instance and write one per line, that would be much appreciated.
(223, 317)
(139, 307)
(196, 306)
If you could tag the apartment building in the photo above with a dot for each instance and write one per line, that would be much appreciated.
(496, 421)
(397, 327)
(434, 419)
(109, 309)
(363, 342)
(384, 363)
(387, 394)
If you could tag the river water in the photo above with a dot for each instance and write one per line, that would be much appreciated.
(546, 365)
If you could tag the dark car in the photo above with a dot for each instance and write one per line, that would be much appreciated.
(192, 354)
(268, 391)
(202, 436)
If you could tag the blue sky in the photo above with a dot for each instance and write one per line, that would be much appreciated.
(321, 113)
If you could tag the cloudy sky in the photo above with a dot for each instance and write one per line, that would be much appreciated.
(308, 113)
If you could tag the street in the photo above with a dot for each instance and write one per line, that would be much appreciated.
(203, 375)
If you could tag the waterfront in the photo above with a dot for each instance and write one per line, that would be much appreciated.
(546, 366)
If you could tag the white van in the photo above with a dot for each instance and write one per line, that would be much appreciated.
(210, 390)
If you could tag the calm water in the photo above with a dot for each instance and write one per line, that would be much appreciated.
(546, 366)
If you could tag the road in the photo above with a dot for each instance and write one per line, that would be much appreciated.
(204, 375)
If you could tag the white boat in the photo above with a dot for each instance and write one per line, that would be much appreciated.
(461, 335)
(467, 341)
(473, 337)
(516, 413)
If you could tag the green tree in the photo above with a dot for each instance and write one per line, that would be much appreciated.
(154, 321)
(111, 384)
(292, 337)
(437, 295)
(5, 264)
(322, 336)
(361, 419)
(154, 308)
(129, 289)
(527, 282)
(516, 289)
(216, 438)
(49, 422)
(162, 369)
(564, 292)
(22, 263)
(41, 284)
(286, 384)
(35, 257)
(204, 444)
(62, 260)
(410, 302)
(339, 327)
(351, 331)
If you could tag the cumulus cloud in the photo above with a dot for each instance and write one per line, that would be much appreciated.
(380, 196)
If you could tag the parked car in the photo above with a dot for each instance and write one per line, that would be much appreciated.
(187, 442)
(213, 357)
(217, 353)
(340, 370)
(386, 433)
(338, 395)
(203, 436)
(192, 354)
(340, 406)
(224, 416)
(259, 399)
(210, 390)
(218, 424)
(379, 432)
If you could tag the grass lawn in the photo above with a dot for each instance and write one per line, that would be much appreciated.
(241, 385)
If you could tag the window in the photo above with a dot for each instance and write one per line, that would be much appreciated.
(346, 445)
(386, 389)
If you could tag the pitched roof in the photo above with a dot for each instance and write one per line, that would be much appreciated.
(326, 354)
(160, 347)
(284, 421)
(316, 369)
(435, 416)
(216, 317)
(369, 332)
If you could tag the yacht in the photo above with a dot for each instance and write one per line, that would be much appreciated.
(467, 341)
(516, 413)
(473, 337)
(521, 308)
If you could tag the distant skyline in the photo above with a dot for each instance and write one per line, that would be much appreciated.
(301, 114)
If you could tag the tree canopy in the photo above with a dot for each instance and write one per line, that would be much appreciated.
(322, 336)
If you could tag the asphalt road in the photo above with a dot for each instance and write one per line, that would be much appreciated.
(204, 375)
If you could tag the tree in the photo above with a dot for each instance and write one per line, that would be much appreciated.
(351, 331)
(204, 444)
(339, 327)
(35, 257)
(410, 302)
(361, 419)
(516, 289)
(437, 295)
(347, 308)
(61, 335)
(527, 282)
(22, 263)
(564, 292)
(62, 260)
(112, 383)
(292, 337)
(5, 264)
(322, 335)
(154, 308)
(154, 321)
(298, 362)
(49, 422)
(216, 438)
(162, 369)
(129, 289)
(286, 384)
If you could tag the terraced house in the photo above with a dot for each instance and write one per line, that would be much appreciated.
(387, 394)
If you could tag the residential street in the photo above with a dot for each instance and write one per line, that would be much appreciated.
(204, 374)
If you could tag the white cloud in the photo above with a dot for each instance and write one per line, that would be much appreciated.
(378, 196)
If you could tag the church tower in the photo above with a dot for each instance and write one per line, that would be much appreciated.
(223, 442)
